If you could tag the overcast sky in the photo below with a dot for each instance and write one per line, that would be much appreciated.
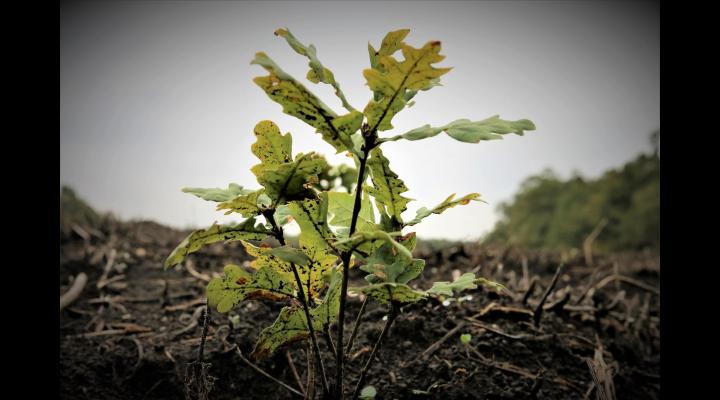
(158, 95)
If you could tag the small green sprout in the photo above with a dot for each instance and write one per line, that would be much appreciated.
(465, 338)
(368, 392)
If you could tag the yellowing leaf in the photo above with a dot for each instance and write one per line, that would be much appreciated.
(391, 43)
(317, 73)
(279, 260)
(292, 325)
(292, 180)
(237, 285)
(271, 147)
(447, 203)
(468, 131)
(390, 80)
(311, 215)
(245, 230)
(387, 187)
(316, 238)
(299, 102)
(245, 205)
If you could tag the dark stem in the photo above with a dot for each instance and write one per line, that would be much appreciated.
(539, 309)
(201, 349)
(366, 368)
(303, 300)
(355, 327)
(345, 256)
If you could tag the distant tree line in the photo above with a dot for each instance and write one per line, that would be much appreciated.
(551, 213)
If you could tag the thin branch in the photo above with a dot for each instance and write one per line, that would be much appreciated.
(329, 340)
(428, 352)
(366, 368)
(358, 320)
(539, 309)
(294, 371)
(265, 374)
(303, 300)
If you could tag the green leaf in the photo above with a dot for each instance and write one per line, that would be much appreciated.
(291, 255)
(386, 264)
(317, 73)
(246, 230)
(267, 257)
(238, 285)
(368, 392)
(292, 325)
(299, 102)
(392, 292)
(387, 188)
(447, 203)
(390, 80)
(358, 238)
(465, 338)
(311, 216)
(271, 147)
(316, 238)
(346, 126)
(282, 215)
(391, 43)
(246, 205)
(218, 194)
(341, 208)
(463, 282)
(284, 179)
(292, 180)
(468, 131)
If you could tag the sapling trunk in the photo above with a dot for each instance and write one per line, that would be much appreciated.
(346, 256)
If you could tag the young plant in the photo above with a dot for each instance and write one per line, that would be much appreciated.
(360, 225)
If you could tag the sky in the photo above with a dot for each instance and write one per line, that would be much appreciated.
(158, 95)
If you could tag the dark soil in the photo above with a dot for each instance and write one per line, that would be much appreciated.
(122, 341)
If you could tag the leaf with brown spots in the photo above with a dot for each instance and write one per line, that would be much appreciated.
(318, 72)
(300, 102)
(291, 325)
(387, 187)
(237, 285)
(423, 212)
(246, 230)
(394, 82)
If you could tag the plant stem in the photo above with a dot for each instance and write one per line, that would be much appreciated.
(386, 328)
(303, 300)
(340, 356)
(201, 349)
(355, 327)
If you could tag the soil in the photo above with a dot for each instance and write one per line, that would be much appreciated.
(134, 337)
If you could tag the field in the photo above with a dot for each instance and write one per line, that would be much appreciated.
(134, 328)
